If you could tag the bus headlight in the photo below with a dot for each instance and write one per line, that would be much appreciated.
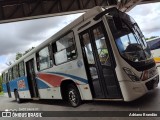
(131, 74)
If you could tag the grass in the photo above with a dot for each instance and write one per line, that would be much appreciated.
(1, 93)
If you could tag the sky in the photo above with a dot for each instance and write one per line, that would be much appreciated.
(20, 36)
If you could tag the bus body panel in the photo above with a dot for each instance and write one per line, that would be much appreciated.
(53, 78)
(20, 84)
(24, 94)
(50, 93)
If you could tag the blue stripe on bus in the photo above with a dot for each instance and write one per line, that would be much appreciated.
(41, 84)
(13, 84)
(71, 76)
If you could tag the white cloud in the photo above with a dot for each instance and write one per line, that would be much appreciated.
(148, 18)
(2, 67)
(20, 36)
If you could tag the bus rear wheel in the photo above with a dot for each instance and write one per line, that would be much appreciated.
(17, 97)
(73, 96)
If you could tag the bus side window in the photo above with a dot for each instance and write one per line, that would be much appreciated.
(21, 69)
(10, 74)
(15, 72)
(64, 49)
(44, 60)
(3, 77)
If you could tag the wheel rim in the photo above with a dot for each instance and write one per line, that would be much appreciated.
(73, 97)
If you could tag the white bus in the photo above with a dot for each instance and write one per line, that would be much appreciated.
(102, 55)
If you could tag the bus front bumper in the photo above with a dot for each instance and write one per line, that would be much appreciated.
(134, 90)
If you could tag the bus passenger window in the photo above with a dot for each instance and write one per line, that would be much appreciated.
(15, 72)
(10, 74)
(3, 78)
(44, 60)
(64, 49)
(21, 69)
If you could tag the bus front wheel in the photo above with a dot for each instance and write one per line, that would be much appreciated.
(73, 96)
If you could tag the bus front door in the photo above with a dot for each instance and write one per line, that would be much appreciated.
(32, 79)
(98, 59)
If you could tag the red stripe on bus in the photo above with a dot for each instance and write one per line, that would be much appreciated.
(54, 80)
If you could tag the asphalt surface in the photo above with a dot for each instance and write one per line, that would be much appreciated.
(149, 102)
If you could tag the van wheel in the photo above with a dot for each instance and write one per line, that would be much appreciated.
(17, 97)
(73, 96)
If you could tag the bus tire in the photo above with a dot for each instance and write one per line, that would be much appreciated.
(18, 100)
(73, 96)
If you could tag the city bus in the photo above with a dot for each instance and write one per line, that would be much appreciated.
(102, 55)
(154, 45)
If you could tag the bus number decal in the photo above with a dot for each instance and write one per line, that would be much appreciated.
(21, 84)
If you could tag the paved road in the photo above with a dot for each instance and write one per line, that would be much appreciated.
(149, 102)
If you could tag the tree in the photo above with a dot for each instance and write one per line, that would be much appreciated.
(19, 55)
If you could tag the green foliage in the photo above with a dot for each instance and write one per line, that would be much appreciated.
(19, 55)
(1, 93)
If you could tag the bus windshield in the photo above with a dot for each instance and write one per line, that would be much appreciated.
(129, 39)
